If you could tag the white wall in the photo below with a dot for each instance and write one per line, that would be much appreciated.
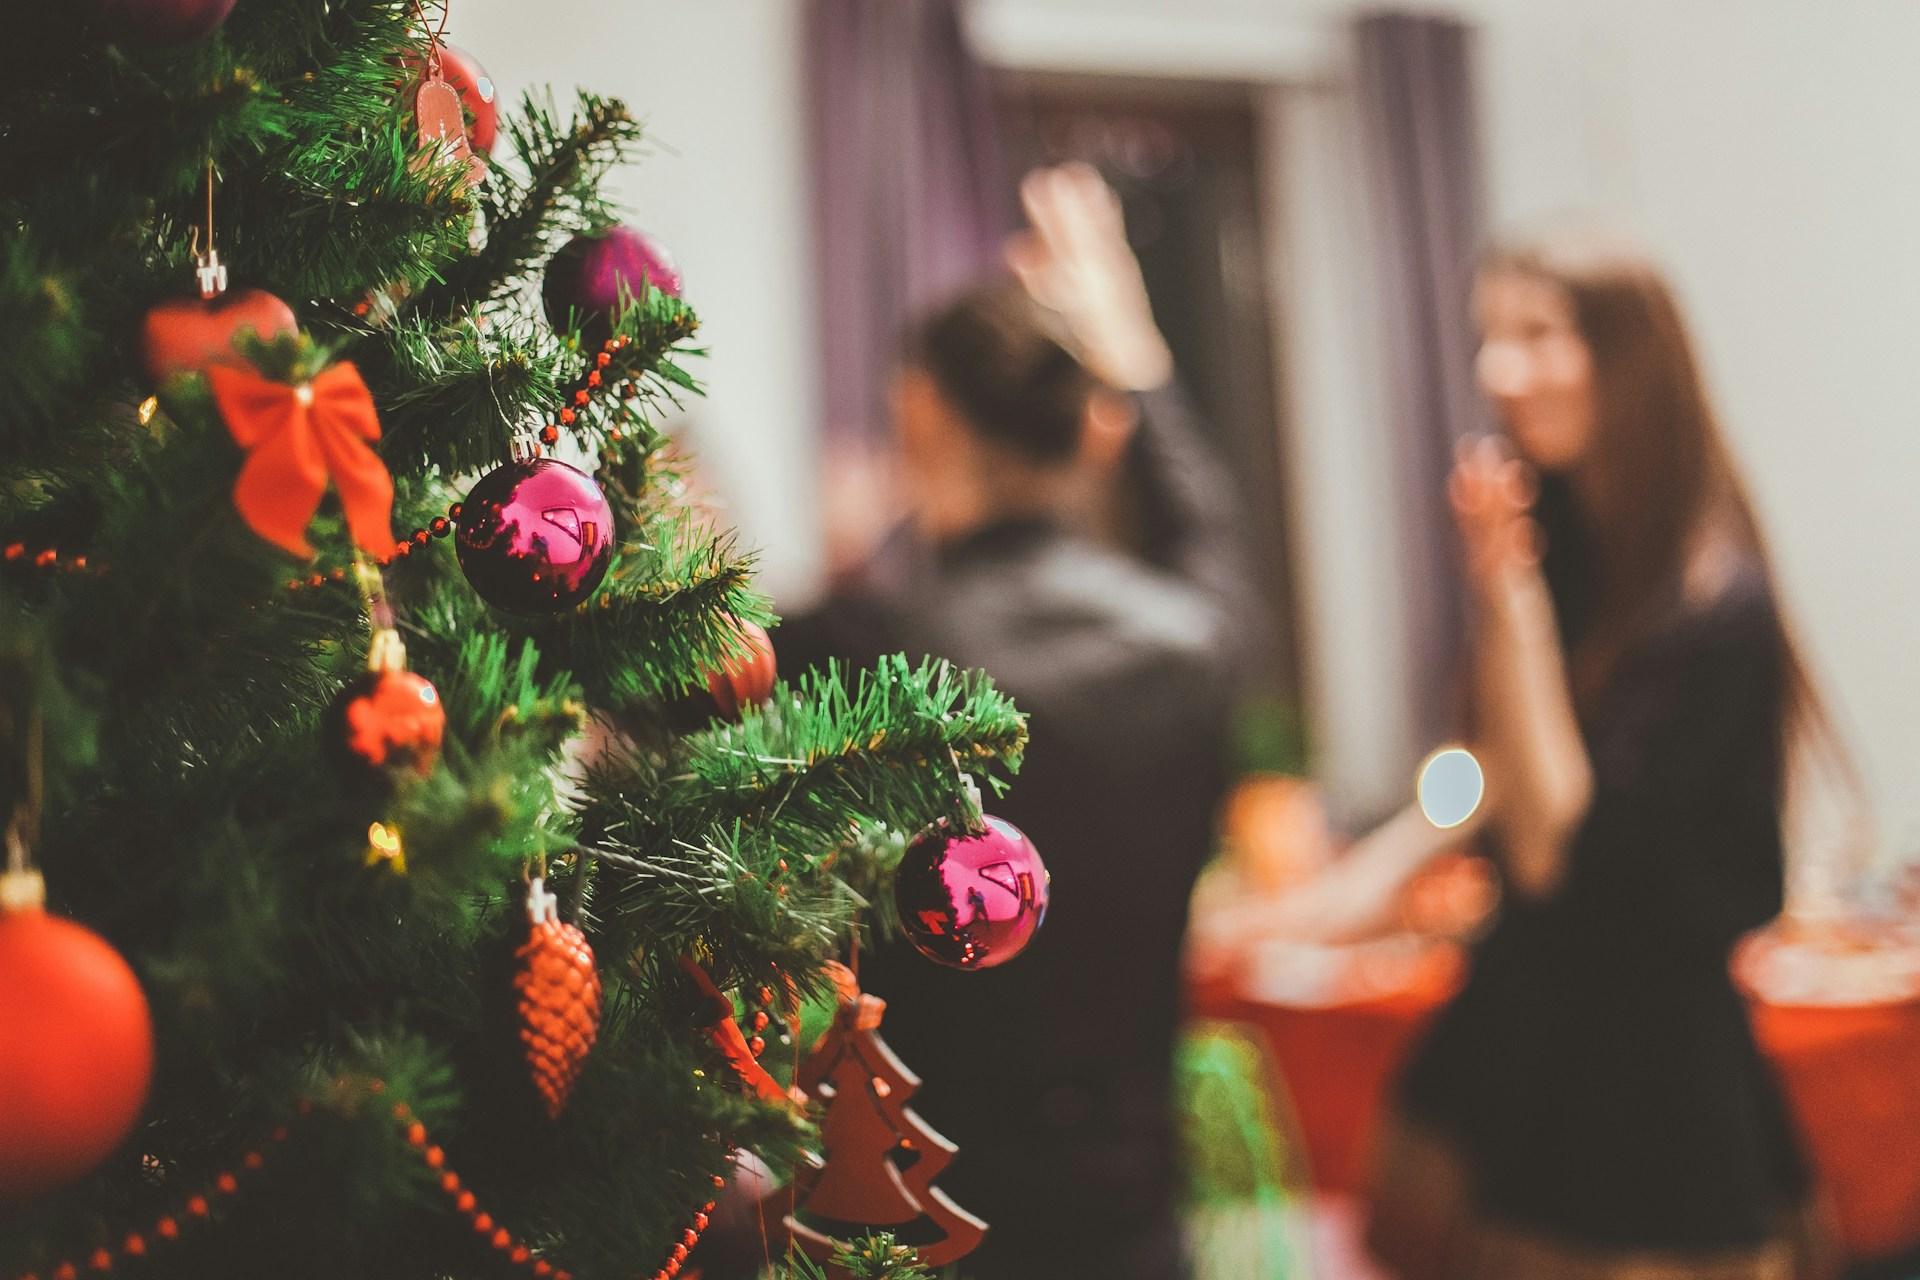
(718, 82)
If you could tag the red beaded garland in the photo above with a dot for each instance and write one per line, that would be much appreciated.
(442, 526)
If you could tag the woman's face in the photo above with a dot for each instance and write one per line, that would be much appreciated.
(1536, 368)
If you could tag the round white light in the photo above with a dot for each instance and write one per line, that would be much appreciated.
(1450, 787)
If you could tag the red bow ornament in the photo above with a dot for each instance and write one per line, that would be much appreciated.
(298, 438)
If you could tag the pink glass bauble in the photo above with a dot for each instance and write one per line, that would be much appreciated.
(585, 278)
(535, 536)
(971, 901)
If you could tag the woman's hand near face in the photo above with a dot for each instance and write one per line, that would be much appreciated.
(1492, 495)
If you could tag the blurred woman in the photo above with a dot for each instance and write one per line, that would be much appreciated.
(1593, 1104)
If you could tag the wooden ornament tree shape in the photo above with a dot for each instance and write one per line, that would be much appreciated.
(880, 1158)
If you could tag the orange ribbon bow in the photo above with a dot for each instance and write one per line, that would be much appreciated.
(297, 438)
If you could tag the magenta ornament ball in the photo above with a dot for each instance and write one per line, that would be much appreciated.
(584, 279)
(162, 22)
(535, 536)
(971, 900)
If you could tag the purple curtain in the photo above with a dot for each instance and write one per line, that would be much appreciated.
(910, 199)
(1420, 133)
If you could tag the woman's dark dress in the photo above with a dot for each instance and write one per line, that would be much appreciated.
(1597, 1072)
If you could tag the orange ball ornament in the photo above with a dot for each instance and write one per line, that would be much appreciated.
(76, 1044)
(388, 719)
(747, 679)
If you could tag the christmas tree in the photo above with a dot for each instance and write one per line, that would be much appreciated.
(404, 914)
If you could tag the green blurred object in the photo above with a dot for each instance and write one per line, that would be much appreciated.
(1269, 736)
(1246, 1187)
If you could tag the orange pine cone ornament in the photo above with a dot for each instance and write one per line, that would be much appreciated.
(559, 993)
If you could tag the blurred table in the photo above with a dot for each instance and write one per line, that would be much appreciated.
(1839, 1016)
(1338, 1039)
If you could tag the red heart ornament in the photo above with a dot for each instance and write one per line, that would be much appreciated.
(190, 335)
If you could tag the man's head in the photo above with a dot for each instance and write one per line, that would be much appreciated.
(997, 416)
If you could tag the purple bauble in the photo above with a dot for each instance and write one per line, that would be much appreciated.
(584, 279)
(971, 901)
(746, 1223)
(162, 22)
(535, 536)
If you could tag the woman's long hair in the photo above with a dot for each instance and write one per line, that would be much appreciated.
(1660, 501)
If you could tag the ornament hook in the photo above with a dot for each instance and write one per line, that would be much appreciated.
(21, 887)
(973, 808)
(208, 270)
(541, 905)
(386, 651)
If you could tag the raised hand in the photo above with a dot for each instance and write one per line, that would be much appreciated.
(1074, 260)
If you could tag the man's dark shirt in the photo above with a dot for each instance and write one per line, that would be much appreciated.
(1052, 1072)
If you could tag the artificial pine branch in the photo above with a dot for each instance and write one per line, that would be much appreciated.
(823, 747)
(564, 164)
(873, 1257)
(674, 598)
(742, 832)
(457, 395)
(49, 343)
(356, 215)
(151, 138)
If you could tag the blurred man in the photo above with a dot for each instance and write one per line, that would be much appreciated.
(1083, 551)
